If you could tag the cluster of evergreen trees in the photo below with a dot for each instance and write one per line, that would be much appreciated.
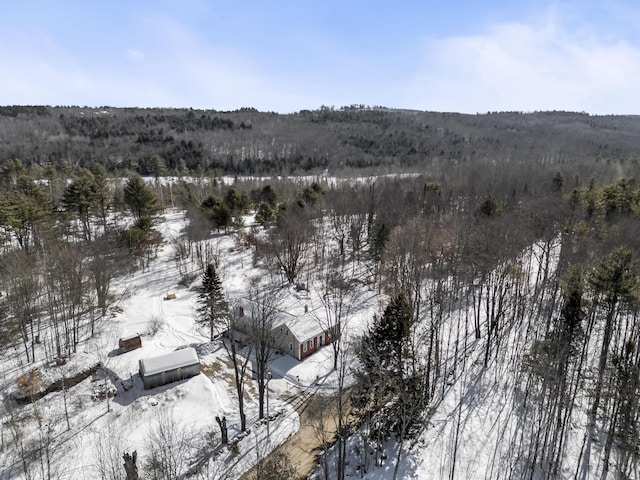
(63, 242)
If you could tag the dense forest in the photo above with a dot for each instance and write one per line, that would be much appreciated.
(446, 210)
(248, 142)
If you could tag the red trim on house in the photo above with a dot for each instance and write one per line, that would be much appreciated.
(313, 345)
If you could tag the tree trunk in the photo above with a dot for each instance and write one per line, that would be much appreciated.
(130, 465)
(222, 422)
(398, 456)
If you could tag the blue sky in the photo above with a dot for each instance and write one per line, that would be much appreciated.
(284, 56)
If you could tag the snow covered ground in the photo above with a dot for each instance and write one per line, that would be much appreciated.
(100, 429)
(323, 179)
(471, 431)
(481, 400)
(475, 424)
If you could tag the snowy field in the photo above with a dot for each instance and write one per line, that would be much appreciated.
(323, 179)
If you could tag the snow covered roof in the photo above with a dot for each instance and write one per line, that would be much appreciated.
(130, 337)
(169, 361)
(305, 327)
(281, 319)
(301, 320)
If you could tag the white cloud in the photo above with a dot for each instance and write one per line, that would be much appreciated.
(134, 54)
(195, 71)
(518, 66)
(525, 66)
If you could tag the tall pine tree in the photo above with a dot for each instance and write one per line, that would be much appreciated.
(390, 333)
(79, 198)
(140, 199)
(214, 309)
(388, 394)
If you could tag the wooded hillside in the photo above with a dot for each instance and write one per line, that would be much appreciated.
(159, 141)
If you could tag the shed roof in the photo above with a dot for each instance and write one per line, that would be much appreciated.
(130, 337)
(169, 361)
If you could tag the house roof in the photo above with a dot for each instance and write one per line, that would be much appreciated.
(169, 361)
(305, 327)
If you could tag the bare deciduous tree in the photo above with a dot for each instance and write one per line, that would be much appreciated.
(264, 305)
(107, 454)
(23, 290)
(169, 448)
(338, 298)
(239, 357)
(288, 241)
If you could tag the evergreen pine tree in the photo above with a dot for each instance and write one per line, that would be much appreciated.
(382, 353)
(626, 425)
(390, 332)
(557, 181)
(389, 395)
(80, 198)
(489, 207)
(140, 199)
(213, 309)
(24, 211)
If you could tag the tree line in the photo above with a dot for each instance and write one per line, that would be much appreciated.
(343, 141)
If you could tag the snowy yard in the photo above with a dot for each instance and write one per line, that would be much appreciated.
(127, 421)
(102, 427)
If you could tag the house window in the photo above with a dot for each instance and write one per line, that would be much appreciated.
(290, 347)
(304, 346)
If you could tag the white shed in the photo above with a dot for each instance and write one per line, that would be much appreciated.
(170, 367)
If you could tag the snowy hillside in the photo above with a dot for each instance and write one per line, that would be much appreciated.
(491, 418)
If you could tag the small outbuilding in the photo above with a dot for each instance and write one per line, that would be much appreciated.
(170, 367)
(126, 344)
